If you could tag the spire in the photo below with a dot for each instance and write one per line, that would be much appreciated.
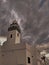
(14, 26)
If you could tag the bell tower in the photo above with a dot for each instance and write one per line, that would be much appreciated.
(14, 33)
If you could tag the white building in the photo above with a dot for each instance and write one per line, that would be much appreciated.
(14, 52)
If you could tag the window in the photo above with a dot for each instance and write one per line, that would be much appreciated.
(17, 34)
(11, 36)
(28, 59)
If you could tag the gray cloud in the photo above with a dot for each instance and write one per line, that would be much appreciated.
(31, 15)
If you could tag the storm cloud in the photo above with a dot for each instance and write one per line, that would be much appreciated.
(31, 15)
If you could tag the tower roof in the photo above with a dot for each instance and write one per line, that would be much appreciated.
(14, 26)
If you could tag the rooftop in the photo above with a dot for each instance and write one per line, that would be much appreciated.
(14, 26)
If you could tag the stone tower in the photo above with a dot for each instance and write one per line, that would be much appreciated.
(14, 33)
(12, 52)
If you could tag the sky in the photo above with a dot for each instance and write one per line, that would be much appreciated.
(31, 15)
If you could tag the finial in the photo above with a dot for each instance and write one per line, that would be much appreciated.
(14, 26)
(14, 21)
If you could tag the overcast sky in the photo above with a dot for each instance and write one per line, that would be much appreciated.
(31, 15)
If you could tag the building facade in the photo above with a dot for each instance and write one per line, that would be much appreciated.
(13, 52)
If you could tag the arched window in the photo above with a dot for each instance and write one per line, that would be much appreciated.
(28, 59)
(11, 36)
(17, 34)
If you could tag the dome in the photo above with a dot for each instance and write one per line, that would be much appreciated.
(14, 26)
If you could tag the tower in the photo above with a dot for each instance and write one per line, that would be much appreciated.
(14, 33)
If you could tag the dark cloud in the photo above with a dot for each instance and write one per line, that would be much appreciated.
(41, 3)
(33, 21)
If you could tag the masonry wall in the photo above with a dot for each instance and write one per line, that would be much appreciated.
(34, 55)
(15, 39)
(16, 54)
(28, 54)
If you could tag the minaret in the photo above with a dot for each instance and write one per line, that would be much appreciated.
(14, 33)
